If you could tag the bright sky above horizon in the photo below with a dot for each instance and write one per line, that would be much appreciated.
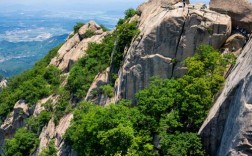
(87, 2)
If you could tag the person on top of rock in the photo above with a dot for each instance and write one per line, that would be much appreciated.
(184, 2)
(204, 7)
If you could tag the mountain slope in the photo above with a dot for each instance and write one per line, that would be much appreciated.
(53, 104)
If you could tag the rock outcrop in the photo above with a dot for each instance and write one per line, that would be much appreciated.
(235, 44)
(15, 120)
(168, 3)
(239, 10)
(76, 47)
(3, 83)
(94, 94)
(168, 36)
(53, 132)
(227, 129)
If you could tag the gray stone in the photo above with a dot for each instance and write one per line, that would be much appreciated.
(227, 129)
(100, 80)
(167, 38)
(15, 120)
(239, 10)
(235, 44)
(75, 47)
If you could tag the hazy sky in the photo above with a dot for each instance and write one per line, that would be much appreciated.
(76, 4)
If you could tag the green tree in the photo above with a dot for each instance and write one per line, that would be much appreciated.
(78, 26)
(182, 144)
(130, 13)
(22, 144)
(35, 124)
(107, 90)
(52, 75)
(89, 33)
(106, 131)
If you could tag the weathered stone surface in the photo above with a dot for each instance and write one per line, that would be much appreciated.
(100, 80)
(227, 129)
(167, 3)
(55, 132)
(3, 83)
(90, 26)
(75, 47)
(46, 135)
(234, 44)
(39, 106)
(60, 144)
(239, 10)
(167, 37)
(15, 120)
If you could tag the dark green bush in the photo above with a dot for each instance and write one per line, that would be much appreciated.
(107, 90)
(34, 89)
(50, 150)
(22, 144)
(77, 26)
(35, 124)
(89, 33)
(182, 144)
(52, 75)
(130, 13)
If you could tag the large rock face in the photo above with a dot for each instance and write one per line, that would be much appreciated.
(3, 83)
(52, 132)
(168, 36)
(235, 44)
(227, 130)
(76, 47)
(15, 120)
(100, 80)
(239, 10)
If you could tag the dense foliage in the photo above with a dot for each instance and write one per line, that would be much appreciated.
(88, 33)
(106, 131)
(172, 109)
(163, 121)
(35, 124)
(22, 144)
(31, 85)
(97, 60)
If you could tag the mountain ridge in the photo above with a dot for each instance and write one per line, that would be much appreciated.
(53, 104)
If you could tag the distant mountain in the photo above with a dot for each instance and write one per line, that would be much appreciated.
(20, 56)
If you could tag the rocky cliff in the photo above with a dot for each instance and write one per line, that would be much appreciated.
(227, 129)
(169, 33)
(240, 11)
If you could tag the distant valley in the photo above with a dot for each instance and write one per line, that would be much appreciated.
(26, 36)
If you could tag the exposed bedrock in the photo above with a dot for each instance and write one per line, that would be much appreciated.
(239, 10)
(228, 129)
(168, 36)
